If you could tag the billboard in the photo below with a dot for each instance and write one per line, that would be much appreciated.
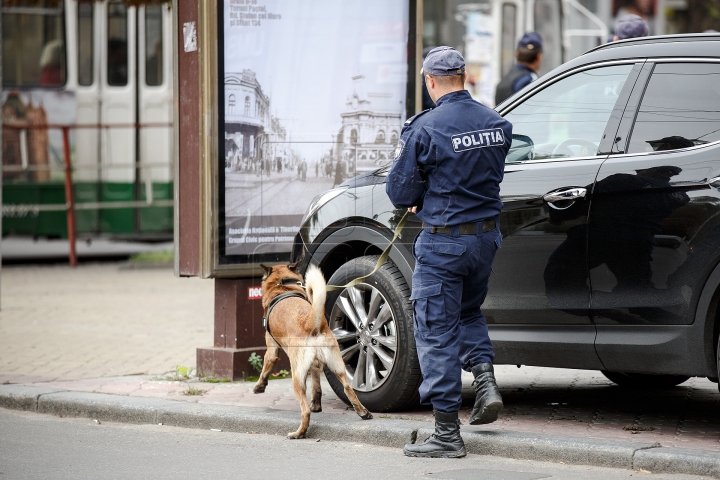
(312, 93)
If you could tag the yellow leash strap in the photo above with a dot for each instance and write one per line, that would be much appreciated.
(382, 258)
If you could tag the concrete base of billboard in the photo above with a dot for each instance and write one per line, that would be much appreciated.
(238, 331)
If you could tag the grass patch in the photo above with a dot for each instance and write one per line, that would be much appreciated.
(193, 391)
(214, 380)
(273, 376)
(161, 256)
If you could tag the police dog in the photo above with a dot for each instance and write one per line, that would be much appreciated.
(298, 325)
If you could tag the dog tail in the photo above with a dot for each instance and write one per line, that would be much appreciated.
(315, 285)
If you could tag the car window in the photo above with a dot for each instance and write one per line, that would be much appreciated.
(568, 118)
(680, 108)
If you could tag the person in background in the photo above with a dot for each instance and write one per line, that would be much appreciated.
(630, 26)
(529, 59)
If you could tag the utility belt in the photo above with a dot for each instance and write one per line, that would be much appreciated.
(470, 228)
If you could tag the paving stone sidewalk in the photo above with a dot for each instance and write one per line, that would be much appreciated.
(537, 400)
(99, 320)
(69, 328)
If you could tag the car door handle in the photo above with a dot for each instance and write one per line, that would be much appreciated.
(567, 193)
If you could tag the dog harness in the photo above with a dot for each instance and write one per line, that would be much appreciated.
(278, 299)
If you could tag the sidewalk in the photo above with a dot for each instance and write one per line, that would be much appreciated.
(99, 320)
(96, 342)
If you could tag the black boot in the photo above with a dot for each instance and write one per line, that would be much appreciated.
(446, 442)
(488, 401)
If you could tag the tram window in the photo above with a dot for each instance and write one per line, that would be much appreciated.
(508, 38)
(117, 44)
(153, 45)
(85, 44)
(33, 44)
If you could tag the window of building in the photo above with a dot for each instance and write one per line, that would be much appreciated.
(247, 106)
(548, 23)
(508, 37)
(353, 137)
(153, 45)
(85, 44)
(117, 44)
(680, 108)
(380, 138)
(33, 44)
(568, 118)
(394, 138)
(231, 104)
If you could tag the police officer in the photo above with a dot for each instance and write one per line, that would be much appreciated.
(529, 58)
(448, 168)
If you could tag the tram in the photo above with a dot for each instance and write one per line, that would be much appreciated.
(104, 69)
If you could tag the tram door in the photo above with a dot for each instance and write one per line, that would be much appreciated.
(124, 82)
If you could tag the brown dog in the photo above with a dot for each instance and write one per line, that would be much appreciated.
(298, 325)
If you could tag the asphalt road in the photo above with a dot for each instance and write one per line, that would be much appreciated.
(41, 446)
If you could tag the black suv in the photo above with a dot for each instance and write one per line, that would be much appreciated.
(611, 225)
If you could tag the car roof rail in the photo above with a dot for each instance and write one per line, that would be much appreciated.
(658, 39)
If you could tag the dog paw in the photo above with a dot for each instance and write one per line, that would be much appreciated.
(315, 409)
(259, 389)
(295, 435)
(366, 416)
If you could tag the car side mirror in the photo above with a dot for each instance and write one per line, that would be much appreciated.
(522, 149)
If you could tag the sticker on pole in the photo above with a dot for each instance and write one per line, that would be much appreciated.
(254, 293)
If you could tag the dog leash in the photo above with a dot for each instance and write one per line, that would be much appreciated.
(381, 260)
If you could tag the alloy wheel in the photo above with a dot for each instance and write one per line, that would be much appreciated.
(366, 330)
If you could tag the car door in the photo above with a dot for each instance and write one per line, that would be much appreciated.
(538, 303)
(655, 218)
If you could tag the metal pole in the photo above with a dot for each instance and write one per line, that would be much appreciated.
(69, 196)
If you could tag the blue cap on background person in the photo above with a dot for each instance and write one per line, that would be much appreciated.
(630, 26)
(530, 41)
(442, 62)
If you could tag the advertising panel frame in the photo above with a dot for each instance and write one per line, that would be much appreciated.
(211, 39)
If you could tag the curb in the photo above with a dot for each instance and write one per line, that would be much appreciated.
(379, 431)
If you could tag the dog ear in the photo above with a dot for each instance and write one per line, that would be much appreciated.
(266, 269)
(293, 267)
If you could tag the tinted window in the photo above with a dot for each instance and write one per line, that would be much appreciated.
(117, 46)
(568, 118)
(153, 45)
(85, 44)
(33, 44)
(680, 108)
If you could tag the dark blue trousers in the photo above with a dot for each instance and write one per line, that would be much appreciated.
(449, 285)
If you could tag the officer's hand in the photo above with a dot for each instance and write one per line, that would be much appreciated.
(412, 209)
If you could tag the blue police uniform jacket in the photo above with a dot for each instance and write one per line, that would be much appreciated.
(450, 161)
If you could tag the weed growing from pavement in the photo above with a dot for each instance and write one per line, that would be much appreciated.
(256, 361)
(214, 380)
(181, 374)
(193, 391)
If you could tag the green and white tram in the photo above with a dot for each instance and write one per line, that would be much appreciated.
(104, 69)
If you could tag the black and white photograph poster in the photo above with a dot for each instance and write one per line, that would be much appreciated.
(314, 93)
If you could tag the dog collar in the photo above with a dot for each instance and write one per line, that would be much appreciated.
(290, 281)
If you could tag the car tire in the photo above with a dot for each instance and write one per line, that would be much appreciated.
(389, 380)
(644, 380)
